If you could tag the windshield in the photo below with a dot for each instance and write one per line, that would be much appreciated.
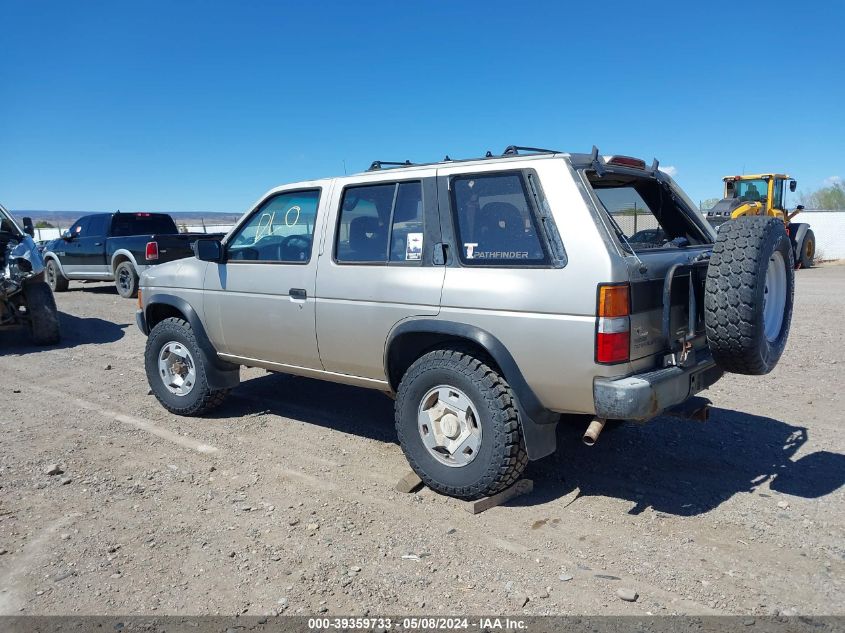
(647, 213)
(751, 190)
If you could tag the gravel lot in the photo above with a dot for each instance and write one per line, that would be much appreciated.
(283, 501)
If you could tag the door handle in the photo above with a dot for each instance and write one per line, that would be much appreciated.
(298, 293)
(98, 243)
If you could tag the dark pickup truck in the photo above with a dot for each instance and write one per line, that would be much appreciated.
(115, 247)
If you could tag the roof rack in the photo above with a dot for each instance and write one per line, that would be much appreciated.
(378, 164)
(513, 150)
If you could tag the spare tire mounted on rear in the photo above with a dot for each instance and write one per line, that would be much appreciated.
(748, 295)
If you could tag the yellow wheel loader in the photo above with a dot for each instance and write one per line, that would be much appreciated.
(762, 194)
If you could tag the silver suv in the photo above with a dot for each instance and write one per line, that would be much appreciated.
(487, 296)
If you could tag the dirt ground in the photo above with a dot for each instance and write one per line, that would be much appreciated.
(283, 501)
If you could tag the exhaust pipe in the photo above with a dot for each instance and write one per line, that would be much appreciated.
(591, 435)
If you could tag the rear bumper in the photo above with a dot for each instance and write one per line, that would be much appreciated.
(644, 396)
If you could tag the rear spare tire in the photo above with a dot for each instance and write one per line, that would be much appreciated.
(748, 295)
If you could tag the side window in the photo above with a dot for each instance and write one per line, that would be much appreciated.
(80, 228)
(97, 226)
(495, 222)
(381, 223)
(281, 230)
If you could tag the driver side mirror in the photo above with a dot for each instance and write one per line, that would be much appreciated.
(28, 227)
(209, 250)
(67, 236)
(792, 185)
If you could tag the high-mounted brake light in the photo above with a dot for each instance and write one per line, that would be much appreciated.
(613, 324)
(627, 161)
(142, 215)
(152, 251)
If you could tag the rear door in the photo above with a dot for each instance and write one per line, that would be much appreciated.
(376, 267)
(259, 303)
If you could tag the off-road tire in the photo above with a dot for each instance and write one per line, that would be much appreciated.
(807, 253)
(734, 295)
(501, 458)
(202, 398)
(43, 314)
(129, 289)
(55, 279)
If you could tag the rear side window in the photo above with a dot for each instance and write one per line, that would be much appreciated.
(125, 224)
(381, 223)
(495, 221)
(98, 225)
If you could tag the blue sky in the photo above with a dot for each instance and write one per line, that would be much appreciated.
(203, 106)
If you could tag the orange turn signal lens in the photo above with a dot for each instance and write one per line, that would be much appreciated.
(614, 301)
(139, 299)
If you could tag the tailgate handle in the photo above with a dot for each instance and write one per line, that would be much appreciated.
(298, 293)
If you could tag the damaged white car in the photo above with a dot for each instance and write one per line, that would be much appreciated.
(25, 299)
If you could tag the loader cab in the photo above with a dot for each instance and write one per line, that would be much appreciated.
(765, 189)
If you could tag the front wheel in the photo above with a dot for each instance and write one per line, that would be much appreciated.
(458, 425)
(43, 314)
(55, 279)
(175, 368)
(126, 280)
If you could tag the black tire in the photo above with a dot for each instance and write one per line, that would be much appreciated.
(736, 290)
(807, 254)
(126, 280)
(43, 314)
(501, 456)
(55, 279)
(201, 398)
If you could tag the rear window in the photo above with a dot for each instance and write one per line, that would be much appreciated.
(646, 213)
(141, 224)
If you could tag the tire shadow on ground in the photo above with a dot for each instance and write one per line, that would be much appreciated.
(74, 331)
(678, 467)
(686, 468)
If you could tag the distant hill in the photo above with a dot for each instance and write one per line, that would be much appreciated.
(64, 219)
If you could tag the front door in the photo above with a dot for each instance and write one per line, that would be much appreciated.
(70, 250)
(91, 247)
(259, 303)
(376, 268)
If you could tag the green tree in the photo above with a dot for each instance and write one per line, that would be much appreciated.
(708, 203)
(43, 224)
(832, 197)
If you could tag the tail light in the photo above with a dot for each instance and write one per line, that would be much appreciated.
(613, 324)
(152, 251)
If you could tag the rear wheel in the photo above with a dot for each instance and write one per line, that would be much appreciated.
(458, 426)
(748, 295)
(43, 314)
(126, 280)
(55, 279)
(175, 369)
(807, 254)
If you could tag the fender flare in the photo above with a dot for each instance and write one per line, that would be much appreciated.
(538, 423)
(219, 373)
(51, 255)
(797, 231)
(122, 252)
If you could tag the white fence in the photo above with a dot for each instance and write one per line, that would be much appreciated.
(53, 233)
